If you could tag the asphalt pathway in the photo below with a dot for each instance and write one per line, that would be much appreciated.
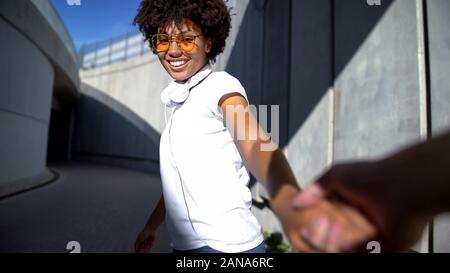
(100, 208)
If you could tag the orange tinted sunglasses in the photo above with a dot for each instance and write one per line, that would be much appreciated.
(185, 42)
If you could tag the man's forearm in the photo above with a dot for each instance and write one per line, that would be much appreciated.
(420, 175)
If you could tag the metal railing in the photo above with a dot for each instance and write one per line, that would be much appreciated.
(113, 50)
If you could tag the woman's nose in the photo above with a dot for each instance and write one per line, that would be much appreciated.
(174, 50)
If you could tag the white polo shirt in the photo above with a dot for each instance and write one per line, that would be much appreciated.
(205, 183)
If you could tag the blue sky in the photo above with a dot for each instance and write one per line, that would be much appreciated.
(95, 20)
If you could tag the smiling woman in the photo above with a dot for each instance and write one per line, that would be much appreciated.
(206, 201)
(199, 29)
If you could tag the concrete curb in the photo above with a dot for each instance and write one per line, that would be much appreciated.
(26, 184)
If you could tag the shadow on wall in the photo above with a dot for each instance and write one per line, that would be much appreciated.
(289, 53)
(107, 132)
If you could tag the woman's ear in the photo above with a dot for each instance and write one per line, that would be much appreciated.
(208, 46)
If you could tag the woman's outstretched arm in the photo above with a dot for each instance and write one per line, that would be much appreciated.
(271, 168)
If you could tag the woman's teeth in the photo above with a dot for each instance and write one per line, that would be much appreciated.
(177, 63)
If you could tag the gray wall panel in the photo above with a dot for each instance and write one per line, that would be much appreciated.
(377, 97)
(27, 76)
(25, 100)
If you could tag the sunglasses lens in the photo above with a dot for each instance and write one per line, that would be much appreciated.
(187, 43)
(161, 43)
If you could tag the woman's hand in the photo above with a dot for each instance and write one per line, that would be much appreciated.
(145, 240)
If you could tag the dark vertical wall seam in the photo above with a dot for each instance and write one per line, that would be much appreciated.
(288, 104)
(428, 102)
(333, 71)
(262, 10)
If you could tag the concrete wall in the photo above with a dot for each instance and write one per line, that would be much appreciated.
(378, 91)
(25, 106)
(47, 10)
(311, 80)
(34, 64)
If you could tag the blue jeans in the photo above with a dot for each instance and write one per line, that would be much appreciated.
(206, 249)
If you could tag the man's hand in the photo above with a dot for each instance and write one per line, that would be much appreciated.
(326, 226)
(363, 186)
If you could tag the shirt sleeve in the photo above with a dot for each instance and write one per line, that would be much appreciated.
(223, 84)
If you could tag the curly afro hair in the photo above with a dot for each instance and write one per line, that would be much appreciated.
(212, 16)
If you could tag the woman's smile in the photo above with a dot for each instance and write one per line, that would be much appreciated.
(178, 65)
